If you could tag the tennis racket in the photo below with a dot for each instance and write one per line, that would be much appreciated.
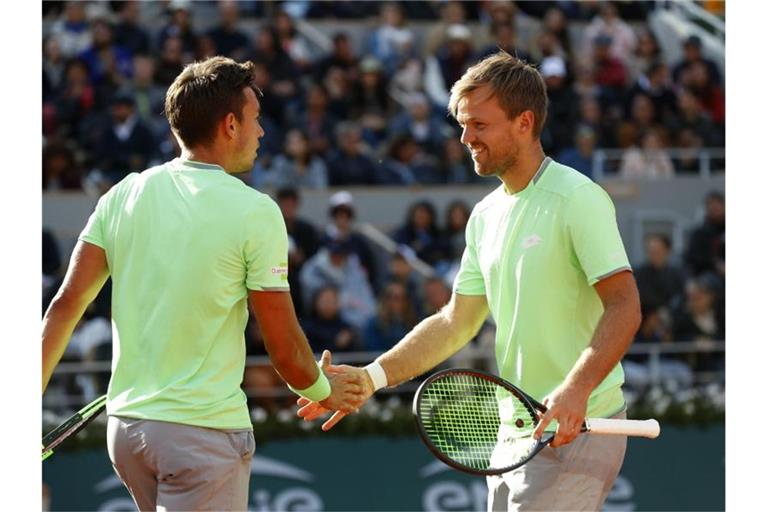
(481, 424)
(73, 425)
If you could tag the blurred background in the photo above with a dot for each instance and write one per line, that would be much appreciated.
(376, 189)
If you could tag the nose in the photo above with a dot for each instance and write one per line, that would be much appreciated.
(467, 135)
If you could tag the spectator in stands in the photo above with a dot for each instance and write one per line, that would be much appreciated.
(451, 13)
(580, 156)
(336, 265)
(547, 45)
(706, 246)
(226, 36)
(72, 31)
(370, 103)
(660, 282)
(608, 26)
(350, 164)
(291, 41)
(456, 164)
(171, 61)
(54, 66)
(610, 72)
(421, 233)
(303, 241)
(297, 166)
(394, 318)
(650, 161)
(126, 144)
(316, 121)
(128, 31)
(556, 23)
(446, 66)
(343, 56)
(407, 164)
(689, 146)
(562, 107)
(60, 168)
(148, 96)
(108, 64)
(700, 319)
(696, 78)
(341, 210)
(75, 102)
(392, 43)
(591, 115)
(420, 122)
(692, 54)
(654, 82)
(691, 116)
(504, 37)
(456, 218)
(283, 72)
(646, 53)
(325, 328)
(642, 113)
(180, 25)
(436, 294)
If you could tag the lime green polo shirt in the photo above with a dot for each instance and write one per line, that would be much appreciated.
(536, 255)
(185, 241)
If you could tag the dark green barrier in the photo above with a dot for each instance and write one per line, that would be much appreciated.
(682, 470)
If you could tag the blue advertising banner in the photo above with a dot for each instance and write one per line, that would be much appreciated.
(684, 469)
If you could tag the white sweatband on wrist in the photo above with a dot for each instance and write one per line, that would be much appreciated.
(378, 375)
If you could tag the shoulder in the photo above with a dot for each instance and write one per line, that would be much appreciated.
(565, 181)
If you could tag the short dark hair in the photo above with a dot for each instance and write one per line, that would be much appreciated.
(517, 85)
(203, 94)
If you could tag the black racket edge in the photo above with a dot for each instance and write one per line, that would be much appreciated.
(483, 375)
(85, 415)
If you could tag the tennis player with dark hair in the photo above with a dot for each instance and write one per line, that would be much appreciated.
(545, 257)
(187, 246)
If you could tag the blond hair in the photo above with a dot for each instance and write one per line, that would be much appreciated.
(517, 85)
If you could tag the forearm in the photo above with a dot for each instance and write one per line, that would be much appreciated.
(431, 342)
(58, 324)
(293, 358)
(613, 336)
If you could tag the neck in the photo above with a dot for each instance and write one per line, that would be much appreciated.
(206, 156)
(518, 177)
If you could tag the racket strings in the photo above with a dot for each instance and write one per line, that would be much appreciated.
(469, 418)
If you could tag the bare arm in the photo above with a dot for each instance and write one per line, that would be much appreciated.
(288, 348)
(435, 338)
(613, 336)
(87, 273)
(431, 342)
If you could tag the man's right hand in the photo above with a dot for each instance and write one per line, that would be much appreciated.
(347, 402)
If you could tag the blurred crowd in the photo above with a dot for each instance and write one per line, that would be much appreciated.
(372, 111)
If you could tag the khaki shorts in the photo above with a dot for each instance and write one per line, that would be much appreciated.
(169, 466)
(577, 476)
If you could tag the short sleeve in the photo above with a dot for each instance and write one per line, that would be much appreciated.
(266, 250)
(469, 279)
(93, 232)
(591, 223)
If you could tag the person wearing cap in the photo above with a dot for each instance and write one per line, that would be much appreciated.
(545, 258)
(607, 22)
(691, 55)
(341, 226)
(562, 111)
(449, 62)
(188, 246)
(350, 163)
(419, 121)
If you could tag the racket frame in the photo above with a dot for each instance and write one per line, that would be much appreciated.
(73, 425)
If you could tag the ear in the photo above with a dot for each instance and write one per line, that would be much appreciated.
(230, 125)
(526, 121)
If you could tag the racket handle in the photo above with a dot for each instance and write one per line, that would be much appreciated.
(638, 428)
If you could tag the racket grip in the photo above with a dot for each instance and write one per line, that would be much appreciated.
(638, 428)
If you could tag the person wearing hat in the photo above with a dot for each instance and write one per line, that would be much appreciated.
(563, 106)
(341, 227)
(692, 54)
(449, 62)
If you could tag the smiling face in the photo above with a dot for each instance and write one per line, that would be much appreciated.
(488, 132)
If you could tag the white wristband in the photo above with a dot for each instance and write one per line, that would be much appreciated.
(378, 375)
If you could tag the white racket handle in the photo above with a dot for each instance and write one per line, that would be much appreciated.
(638, 428)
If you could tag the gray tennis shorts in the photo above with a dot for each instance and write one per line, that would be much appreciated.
(577, 476)
(169, 466)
